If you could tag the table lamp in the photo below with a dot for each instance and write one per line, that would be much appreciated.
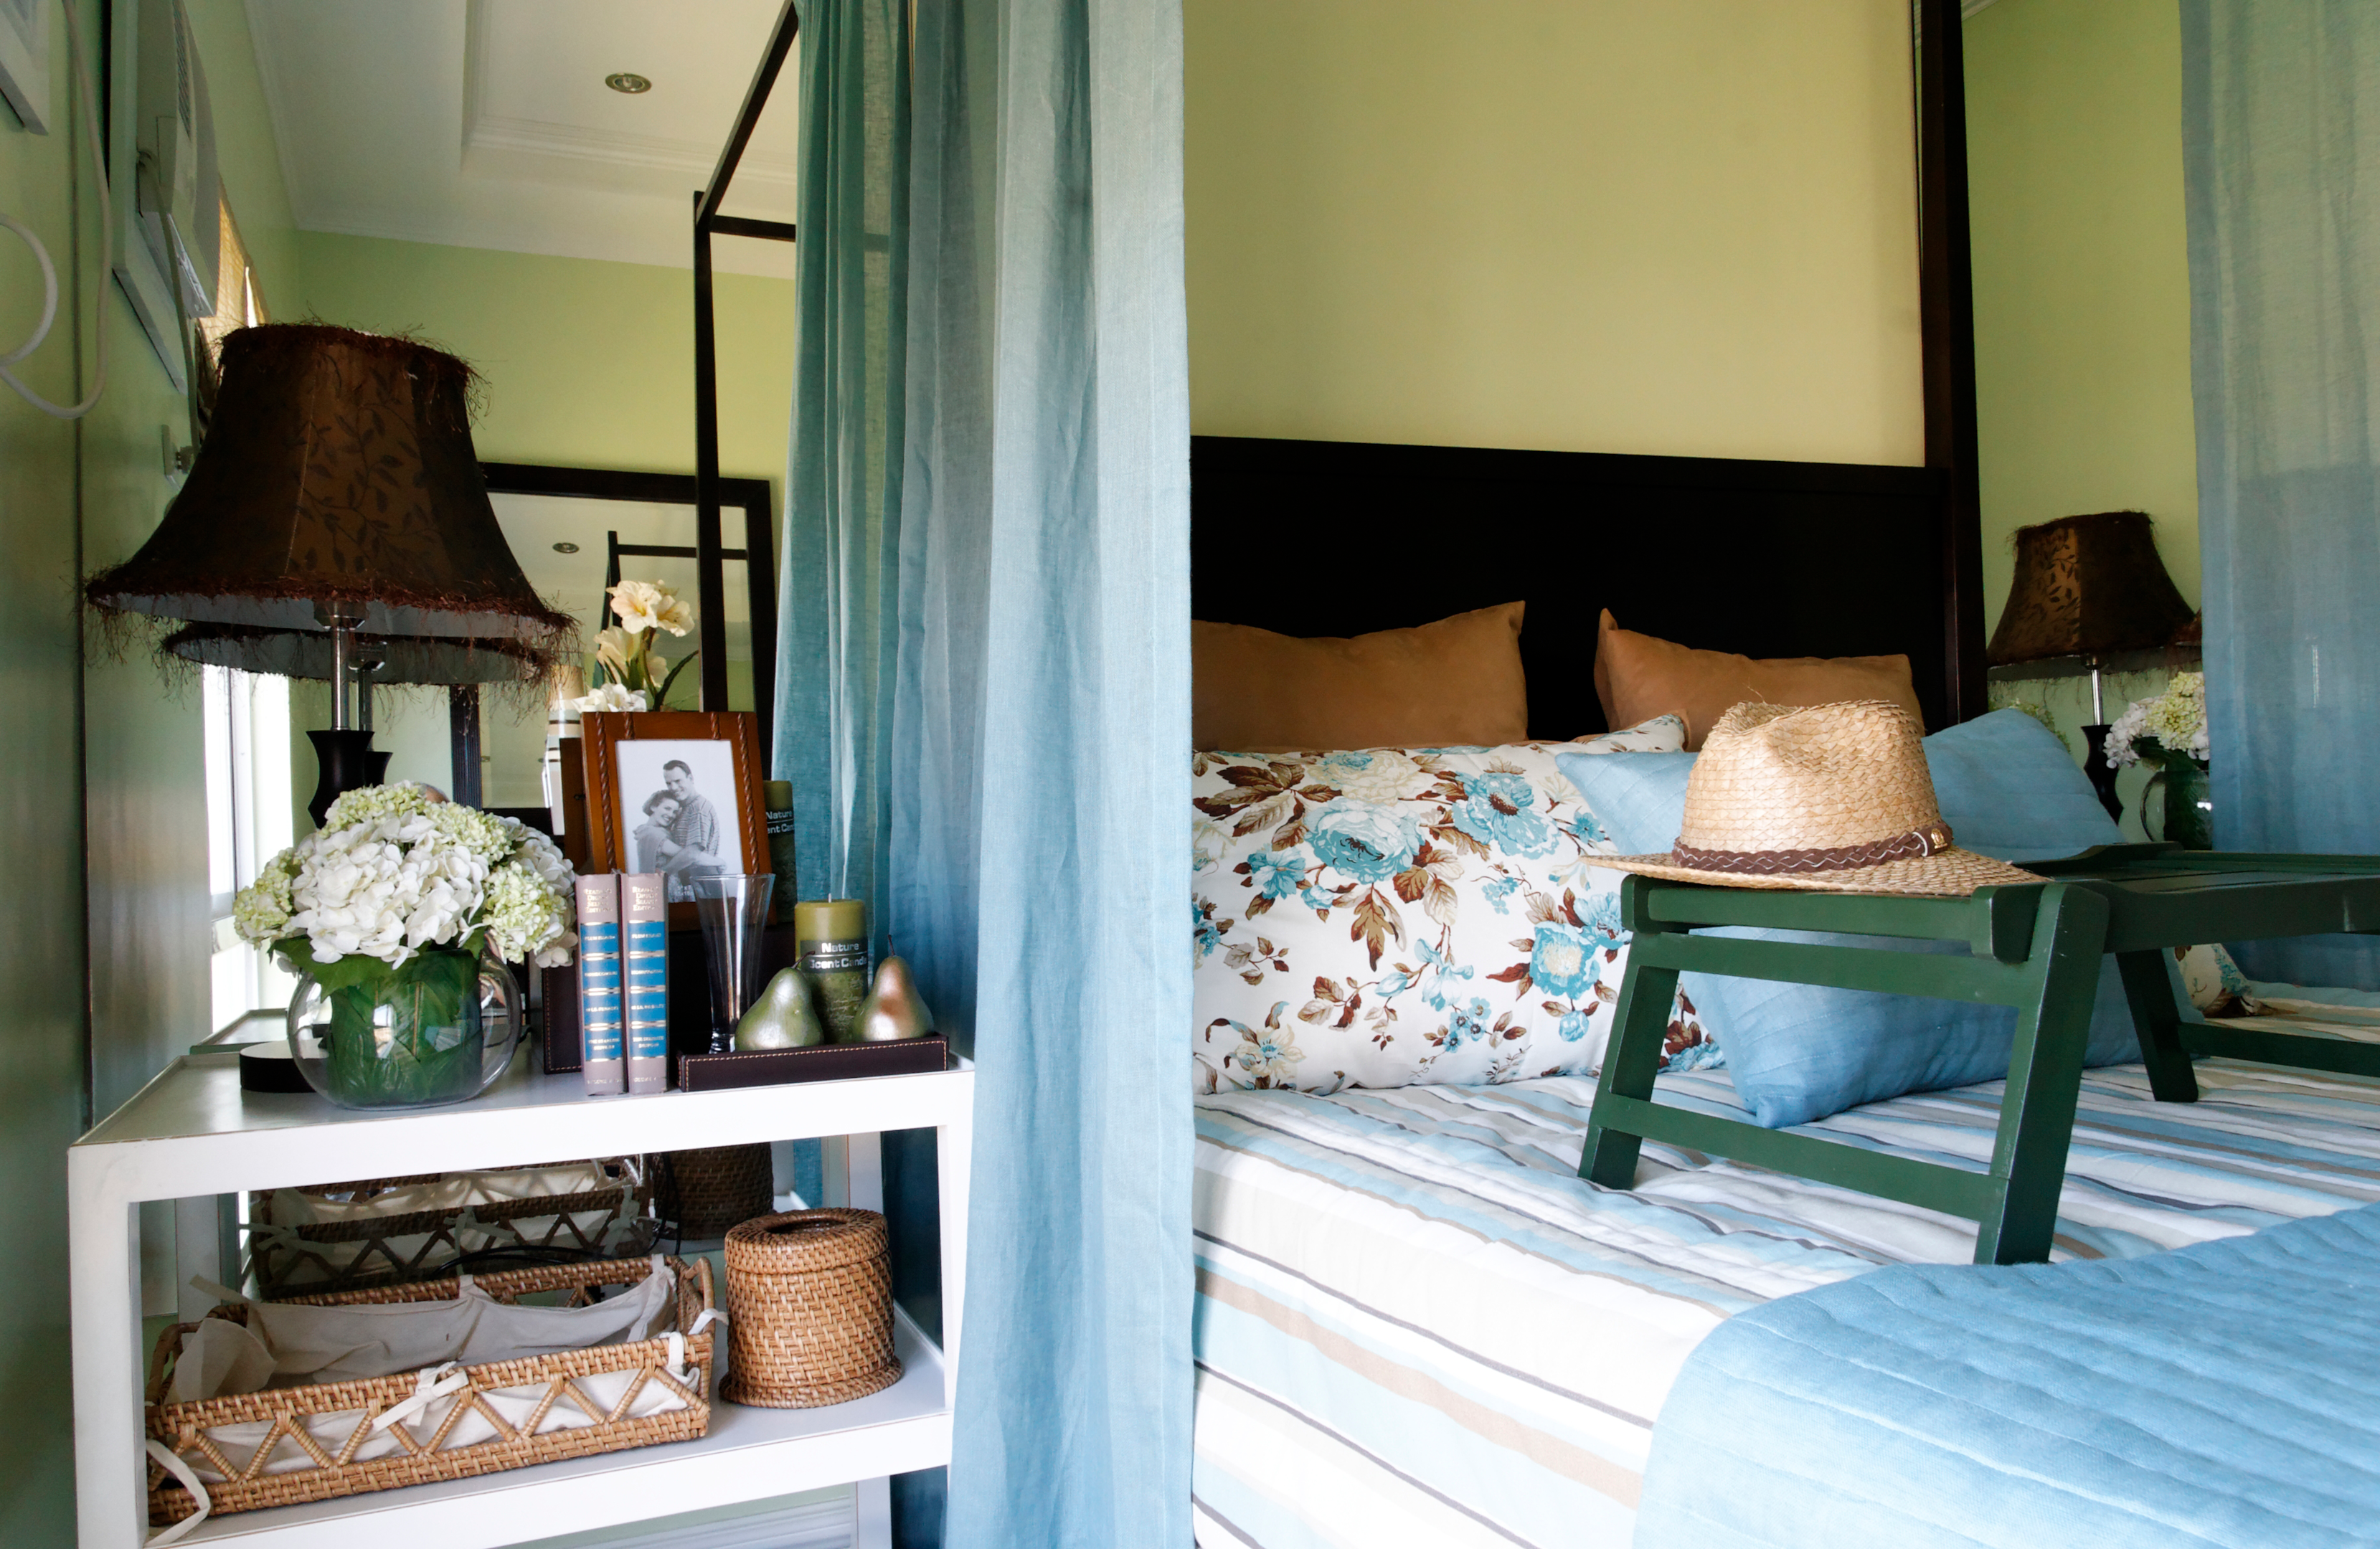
(336, 513)
(2089, 587)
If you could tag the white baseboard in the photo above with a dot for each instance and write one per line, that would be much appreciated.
(817, 1525)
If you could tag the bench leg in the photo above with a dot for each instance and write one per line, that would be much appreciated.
(2045, 1077)
(2157, 1020)
(1640, 1025)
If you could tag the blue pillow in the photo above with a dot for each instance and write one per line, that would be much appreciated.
(1799, 1052)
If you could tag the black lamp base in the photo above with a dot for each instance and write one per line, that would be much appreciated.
(348, 762)
(2101, 773)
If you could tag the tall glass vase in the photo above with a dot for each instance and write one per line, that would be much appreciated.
(2189, 805)
(439, 1029)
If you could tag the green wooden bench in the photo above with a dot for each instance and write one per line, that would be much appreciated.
(2034, 946)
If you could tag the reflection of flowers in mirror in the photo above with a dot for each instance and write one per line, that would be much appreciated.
(2173, 722)
(645, 606)
(625, 658)
(610, 696)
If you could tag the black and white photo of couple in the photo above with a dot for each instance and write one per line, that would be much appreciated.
(681, 837)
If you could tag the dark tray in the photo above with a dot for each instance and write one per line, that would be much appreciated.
(775, 1066)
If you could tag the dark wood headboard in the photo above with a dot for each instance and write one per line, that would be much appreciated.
(1769, 559)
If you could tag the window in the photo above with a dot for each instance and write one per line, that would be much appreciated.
(238, 305)
(249, 821)
(250, 809)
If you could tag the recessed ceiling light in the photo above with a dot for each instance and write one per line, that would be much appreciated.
(566, 548)
(628, 82)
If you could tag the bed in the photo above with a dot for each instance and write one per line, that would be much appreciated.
(1414, 1323)
(1416, 1326)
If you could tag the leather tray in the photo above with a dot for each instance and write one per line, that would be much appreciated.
(775, 1066)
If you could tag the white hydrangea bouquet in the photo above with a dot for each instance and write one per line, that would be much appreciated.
(2173, 724)
(394, 871)
(634, 672)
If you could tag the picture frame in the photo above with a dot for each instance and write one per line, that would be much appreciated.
(676, 791)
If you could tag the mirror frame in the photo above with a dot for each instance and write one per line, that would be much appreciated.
(753, 496)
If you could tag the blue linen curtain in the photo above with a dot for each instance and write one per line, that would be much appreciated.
(1073, 1414)
(843, 480)
(1030, 693)
(2281, 147)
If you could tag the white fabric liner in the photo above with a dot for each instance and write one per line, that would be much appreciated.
(293, 1208)
(287, 1343)
(331, 1430)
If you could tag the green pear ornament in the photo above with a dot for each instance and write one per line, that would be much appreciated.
(893, 1010)
(782, 1018)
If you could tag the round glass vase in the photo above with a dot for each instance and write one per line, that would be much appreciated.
(439, 1029)
(2189, 805)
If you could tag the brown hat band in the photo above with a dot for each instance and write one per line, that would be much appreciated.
(1913, 845)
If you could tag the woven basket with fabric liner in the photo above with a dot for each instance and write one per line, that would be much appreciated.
(809, 1308)
(384, 1231)
(313, 1442)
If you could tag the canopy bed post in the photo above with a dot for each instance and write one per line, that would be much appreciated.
(1947, 303)
(710, 587)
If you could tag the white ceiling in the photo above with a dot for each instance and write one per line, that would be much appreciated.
(486, 123)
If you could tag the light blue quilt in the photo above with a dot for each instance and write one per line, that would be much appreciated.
(2224, 1394)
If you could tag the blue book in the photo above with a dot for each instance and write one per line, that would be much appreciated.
(600, 1014)
(644, 913)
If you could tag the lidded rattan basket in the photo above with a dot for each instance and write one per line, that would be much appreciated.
(809, 1310)
(708, 1191)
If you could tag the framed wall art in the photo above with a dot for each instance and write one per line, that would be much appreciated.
(678, 793)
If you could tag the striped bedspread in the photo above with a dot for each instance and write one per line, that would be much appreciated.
(1415, 1325)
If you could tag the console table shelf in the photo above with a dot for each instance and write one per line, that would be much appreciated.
(193, 1132)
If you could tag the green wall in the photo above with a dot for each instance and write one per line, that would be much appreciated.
(587, 364)
(2082, 275)
(1687, 227)
(103, 970)
(41, 1027)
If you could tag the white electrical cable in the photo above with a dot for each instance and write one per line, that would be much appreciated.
(49, 271)
(49, 290)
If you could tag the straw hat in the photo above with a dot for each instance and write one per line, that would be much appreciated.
(1832, 797)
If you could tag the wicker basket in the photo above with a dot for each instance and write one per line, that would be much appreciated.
(290, 1259)
(311, 1443)
(707, 1191)
(809, 1307)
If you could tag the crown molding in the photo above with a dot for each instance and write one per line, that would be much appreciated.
(769, 260)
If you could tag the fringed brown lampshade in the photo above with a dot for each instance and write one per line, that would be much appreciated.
(335, 517)
(2087, 585)
(337, 470)
(307, 653)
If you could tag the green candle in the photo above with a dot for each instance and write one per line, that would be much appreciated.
(830, 935)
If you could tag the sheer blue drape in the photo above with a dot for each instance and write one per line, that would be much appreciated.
(1032, 588)
(1053, 626)
(836, 608)
(2281, 146)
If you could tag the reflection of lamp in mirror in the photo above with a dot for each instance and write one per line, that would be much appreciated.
(2089, 587)
(337, 510)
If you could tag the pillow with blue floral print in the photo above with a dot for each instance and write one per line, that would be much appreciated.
(1395, 917)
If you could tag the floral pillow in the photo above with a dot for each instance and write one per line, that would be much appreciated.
(1663, 733)
(1399, 915)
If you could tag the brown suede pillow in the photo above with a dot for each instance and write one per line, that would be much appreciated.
(1638, 677)
(1455, 683)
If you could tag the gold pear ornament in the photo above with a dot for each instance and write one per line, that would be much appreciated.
(784, 1017)
(893, 1010)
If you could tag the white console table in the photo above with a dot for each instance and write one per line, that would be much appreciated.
(193, 1132)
